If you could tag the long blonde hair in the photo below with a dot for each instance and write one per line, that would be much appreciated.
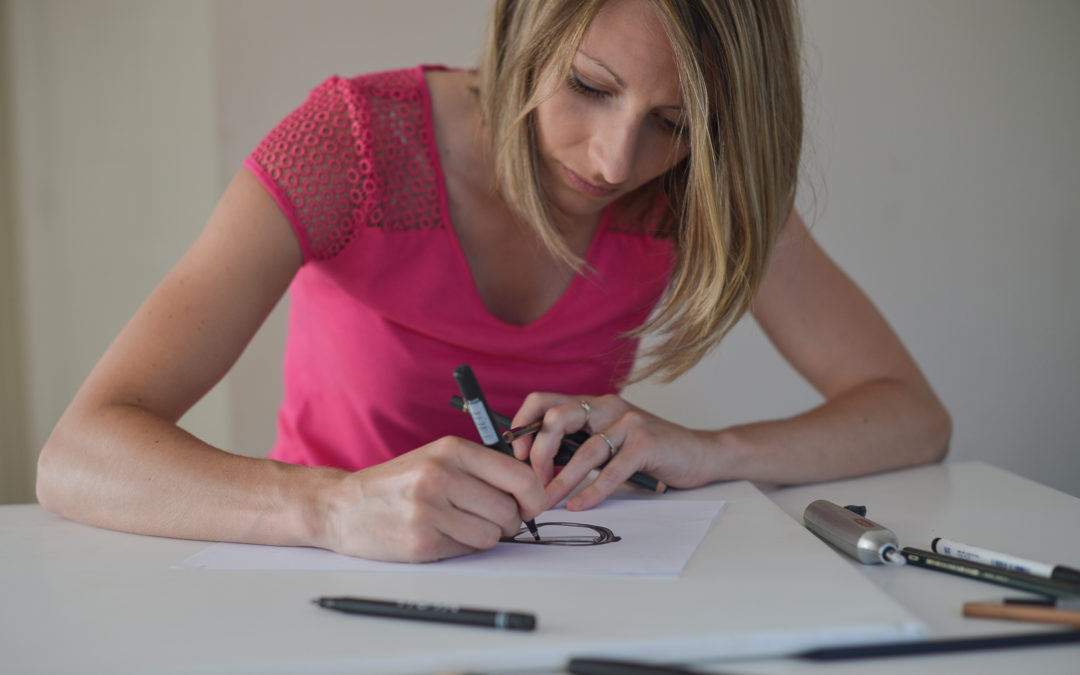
(739, 72)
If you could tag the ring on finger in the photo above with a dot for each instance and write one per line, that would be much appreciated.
(588, 412)
(610, 445)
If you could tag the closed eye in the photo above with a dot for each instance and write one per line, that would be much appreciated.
(675, 128)
(575, 84)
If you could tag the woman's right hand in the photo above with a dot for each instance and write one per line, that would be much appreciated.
(448, 498)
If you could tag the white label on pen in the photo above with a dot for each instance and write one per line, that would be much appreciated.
(993, 558)
(483, 421)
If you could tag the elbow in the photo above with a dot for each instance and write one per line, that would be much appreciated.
(46, 486)
(53, 485)
(939, 433)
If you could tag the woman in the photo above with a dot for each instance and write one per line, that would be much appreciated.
(609, 162)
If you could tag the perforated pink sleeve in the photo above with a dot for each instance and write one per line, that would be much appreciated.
(358, 153)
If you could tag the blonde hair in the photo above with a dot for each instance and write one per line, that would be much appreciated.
(739, 72)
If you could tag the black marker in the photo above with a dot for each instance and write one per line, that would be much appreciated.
(1059, 603)
(868, 651)
(425, 612)
(1004, 560)
(477, 408)
(941, 646)
(580, 666)
(989, 573)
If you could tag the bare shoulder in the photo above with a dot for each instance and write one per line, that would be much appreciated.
(455, 112)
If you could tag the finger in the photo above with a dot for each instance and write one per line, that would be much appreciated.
(477, 498)
(532, 409)
(420, 533)
(621, 465)
(542, 447)
(475, 531)
(505, 474)
(535, 405)
(523, 447)
(592, 453)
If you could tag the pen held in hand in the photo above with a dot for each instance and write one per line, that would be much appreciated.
(511, 435)
(646, 481)
(570, 444)
(476, 406)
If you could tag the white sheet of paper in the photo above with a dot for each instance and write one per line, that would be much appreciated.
(657, 539)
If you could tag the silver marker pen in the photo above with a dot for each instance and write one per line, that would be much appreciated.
(853, 534)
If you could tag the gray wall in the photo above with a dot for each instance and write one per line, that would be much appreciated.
(15, 463)
(115, 153)
(940, 173)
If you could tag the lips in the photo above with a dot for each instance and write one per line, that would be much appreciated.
(582, 185)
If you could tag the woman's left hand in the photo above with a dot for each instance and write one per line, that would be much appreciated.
(632, 439)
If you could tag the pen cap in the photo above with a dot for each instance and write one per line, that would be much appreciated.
(856, 536)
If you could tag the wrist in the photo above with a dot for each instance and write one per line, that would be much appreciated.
(308, 498)
(730, 455)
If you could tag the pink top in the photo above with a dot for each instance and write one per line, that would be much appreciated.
(384, 307)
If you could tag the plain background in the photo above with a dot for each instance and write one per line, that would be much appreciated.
(940, 172)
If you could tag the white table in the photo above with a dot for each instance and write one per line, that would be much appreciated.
(80, 599)
(967, 501)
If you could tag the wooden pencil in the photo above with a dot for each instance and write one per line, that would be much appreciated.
(989, 610)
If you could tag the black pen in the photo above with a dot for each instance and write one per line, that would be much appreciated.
(478, 409)
(994, 575)
(940, 646)
(1058, 603)
(471, 616)
(1012, 563)
(582, 666)
(604, 667)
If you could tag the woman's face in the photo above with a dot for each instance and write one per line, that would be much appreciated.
(616, 122)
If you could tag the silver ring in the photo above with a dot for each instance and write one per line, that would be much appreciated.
(588, 411)
(610, 445)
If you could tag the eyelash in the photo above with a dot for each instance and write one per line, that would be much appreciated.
(580, 87)
(576, 85)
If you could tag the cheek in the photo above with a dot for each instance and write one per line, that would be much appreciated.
(660, 155)
(559, 124)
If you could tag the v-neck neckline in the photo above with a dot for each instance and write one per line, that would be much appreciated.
(462, 261)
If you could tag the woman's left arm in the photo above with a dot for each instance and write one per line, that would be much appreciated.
(879, 411)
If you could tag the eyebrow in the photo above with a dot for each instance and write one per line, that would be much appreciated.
(618, 80)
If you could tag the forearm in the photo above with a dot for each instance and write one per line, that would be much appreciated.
(881, 425)
(124, 468)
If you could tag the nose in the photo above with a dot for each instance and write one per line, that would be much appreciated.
(613, 149)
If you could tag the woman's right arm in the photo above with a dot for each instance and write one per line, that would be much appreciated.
(117, 458)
